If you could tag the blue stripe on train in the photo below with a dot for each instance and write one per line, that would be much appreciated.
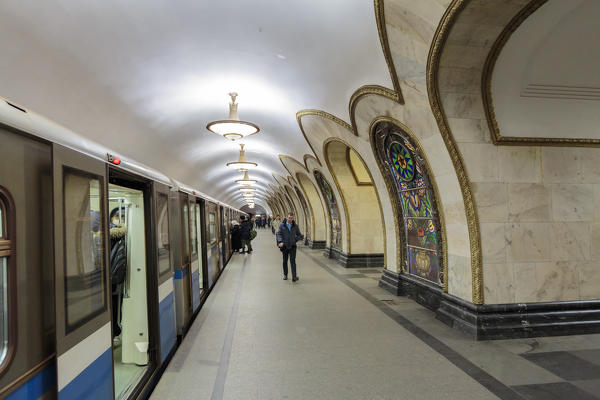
(196, 289)
(180, 273)
(94, 382)
(167, 325)
(37, 386)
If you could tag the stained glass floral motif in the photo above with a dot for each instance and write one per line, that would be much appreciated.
(403, 163)
(417, 200)
(336, 228)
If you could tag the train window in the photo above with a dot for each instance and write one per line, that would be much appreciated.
(186, 232)
(193, 229)
(162, 234)
(84, 247)
(5, 252)
(212, 227)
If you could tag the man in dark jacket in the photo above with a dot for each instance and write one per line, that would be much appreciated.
(287, 236)
(245, 228)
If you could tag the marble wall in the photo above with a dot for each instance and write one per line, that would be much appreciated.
(361, 203)
(538, 207)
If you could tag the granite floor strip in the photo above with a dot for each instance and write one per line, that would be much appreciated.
(486, 380)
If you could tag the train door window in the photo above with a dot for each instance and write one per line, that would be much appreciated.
(193, 230)
(162, 234)
(212, 227)
(199, 244)
(84, 247)
(186, 232)
(5, 253)
(128, 284)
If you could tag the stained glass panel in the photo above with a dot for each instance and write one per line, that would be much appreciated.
(424, 264)
(336, 228)
(421, 233)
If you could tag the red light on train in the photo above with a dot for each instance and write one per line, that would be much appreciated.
(116, 161)
(112, 159)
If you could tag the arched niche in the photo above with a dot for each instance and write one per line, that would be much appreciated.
(335, 224)
(413, 191)
(363, 210)
(319, 230)
(307, 213)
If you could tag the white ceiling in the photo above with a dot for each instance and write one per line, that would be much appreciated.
(145, 76)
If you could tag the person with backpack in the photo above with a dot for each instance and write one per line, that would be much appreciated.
(287, 236)
(245, 228)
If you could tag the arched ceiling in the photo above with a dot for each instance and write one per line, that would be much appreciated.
(145, 77)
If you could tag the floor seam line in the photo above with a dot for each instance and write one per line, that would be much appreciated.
(492, 384)
(219, 386)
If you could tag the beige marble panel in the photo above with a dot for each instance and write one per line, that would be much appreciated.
(499, 285)
(493, 242)
(519, 164)
(590, 164)
(525, 282)
(481, 161)
(597, 203)
(457, 236)
(595, 242)
(463, 105)
(459, 277)
(527, 242)
(492, 201)
(459, 80)
(460, 55)
(572, 202)
(451, 198)
(469, 130)
(589, 280)
(557, 281)
(529, 202)
(561, 164)
(571, 241)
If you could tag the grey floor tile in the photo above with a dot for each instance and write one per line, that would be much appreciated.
(590, 386)
(565, 365)
(553, 391)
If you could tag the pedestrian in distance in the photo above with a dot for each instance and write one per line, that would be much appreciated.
(287, 236)
(245, 228)
(236, 241)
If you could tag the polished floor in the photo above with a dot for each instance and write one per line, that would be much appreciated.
(335, 334)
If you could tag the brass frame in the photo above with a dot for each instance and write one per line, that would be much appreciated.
(371, 90)
(486, 90)
(433, 62)
(8, 249)
(392, 192)
(385, 46)
(326, 207)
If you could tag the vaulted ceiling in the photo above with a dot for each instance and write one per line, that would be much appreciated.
(144, 77)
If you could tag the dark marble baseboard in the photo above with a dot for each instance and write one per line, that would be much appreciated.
(354, 260)
(316, 244)
(498, 321)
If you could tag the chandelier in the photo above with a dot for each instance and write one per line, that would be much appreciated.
(247, 189)
(246, 180)
(241, 164)
(233, 128)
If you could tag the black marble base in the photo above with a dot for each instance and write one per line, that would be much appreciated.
(498, 321)
(355, 260)
(316, 244)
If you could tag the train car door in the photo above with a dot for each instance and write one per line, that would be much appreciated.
(183, 294)
(221, 239)
(82, 297)
(202, 239)
(194, 253)
(166, 295)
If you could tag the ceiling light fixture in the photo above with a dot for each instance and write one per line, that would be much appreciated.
(241, 164)
(246, 180)
(233, 128)
(247, 189)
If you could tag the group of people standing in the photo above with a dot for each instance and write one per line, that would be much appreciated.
(287, 234)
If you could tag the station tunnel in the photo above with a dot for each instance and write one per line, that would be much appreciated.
(426, 174)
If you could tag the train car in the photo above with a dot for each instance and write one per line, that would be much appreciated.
(104, 263)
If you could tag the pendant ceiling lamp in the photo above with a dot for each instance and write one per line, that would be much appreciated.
(232, 128)
(247, 189)
(241, 164)
(246, 180)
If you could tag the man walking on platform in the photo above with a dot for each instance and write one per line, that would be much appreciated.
(245, 228)
(287, 236)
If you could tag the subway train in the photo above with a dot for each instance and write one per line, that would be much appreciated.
(104, 264)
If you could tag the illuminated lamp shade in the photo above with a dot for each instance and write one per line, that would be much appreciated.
(247, 189)
(246, 180)
(233, 128)
(241, 164)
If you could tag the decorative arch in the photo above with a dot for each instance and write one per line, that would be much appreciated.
(310, 221)
(416, 201)
(335, 232)
(319, 232)
(364, 220)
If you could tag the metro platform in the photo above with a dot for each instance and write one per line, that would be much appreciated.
(335, 334)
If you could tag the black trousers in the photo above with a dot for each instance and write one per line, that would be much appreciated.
(291, 253)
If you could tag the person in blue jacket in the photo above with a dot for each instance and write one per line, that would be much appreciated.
(287, 236)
